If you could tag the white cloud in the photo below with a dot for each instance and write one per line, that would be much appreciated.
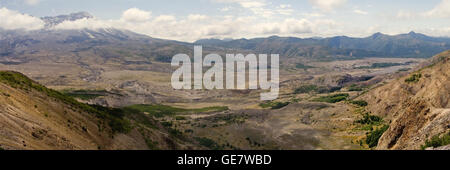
(252, 4)
(197, 17)
(32, 2)
(313, 14)
(293, 26)
(327, 5)
(284, 9)
(189, 28)
(11, 20)
(84, 23)
(256, 6)
(442, 10)
(289, 26)
(405, 15)
(165, 18)
(260, 7)
(136, 15)
(438, 32)
(225, 9)
(194, 26)
(361, 12)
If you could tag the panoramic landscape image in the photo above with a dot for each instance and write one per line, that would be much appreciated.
(224, 75)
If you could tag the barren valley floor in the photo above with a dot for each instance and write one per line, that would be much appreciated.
(233, 119)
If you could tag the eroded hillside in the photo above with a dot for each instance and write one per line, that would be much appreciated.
(417, 105)
(35, 117)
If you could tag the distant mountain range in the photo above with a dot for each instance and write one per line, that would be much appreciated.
(378, 45)
(18, 46)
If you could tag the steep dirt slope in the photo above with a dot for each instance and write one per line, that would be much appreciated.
(34, 117)
(417, 105)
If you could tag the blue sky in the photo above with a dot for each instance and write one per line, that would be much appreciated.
(188, 20)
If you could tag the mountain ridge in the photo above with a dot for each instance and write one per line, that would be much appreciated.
(408, 45)
(377, 45)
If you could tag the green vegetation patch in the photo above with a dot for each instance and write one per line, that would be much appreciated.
(180, 118)
(85, 94)
(228, 119)
(355, 87)
(327, 89)
(274, 105)
(375, 127)
(152, 145)
(175, 132)
(209, 109)
(308, 88)
(17, 80)
(163, 110)
(370, 120)
(374, 136)
(116, 118)
(332, 98)
(379, 65)
(209, 143)
(303, 66)
(157, 110)
(414, 78)
(140, 117)
(360, 103)
(305, 89)
(437, 141)
(167, 124)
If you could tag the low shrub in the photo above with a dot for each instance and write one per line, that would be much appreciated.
(305, 89)
(437, 141)
(370, 120)
(414, 78)
(355, 87)
(332, 98)
(180, 118)
(209, 143)
(374, 136)
(360, 103)
(167, 124)
(175, 132)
